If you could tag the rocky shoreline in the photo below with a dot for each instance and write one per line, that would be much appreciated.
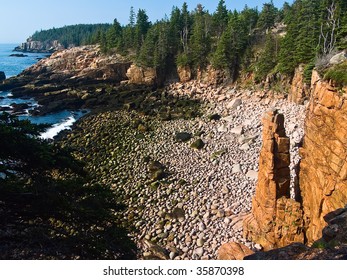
(199, 198)
(184, 157)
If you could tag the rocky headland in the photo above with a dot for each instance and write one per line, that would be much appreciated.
(200, 164)
(48, 46)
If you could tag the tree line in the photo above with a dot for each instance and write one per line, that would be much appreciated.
(72, 35)
(234, 41)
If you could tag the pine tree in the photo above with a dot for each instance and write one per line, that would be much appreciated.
(200, 43)
(232, 45)
(147, 52)
(184, 57)
(186, 26)
(300, 43)
(175, 30)
(342, 33)
(268, 58)
(220, 18)
(114, 35)
(267, 16)
(222, 56)
(141, 28)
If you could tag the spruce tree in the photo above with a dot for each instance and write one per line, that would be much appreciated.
(268, 58)
(267, 16)
(141, 28)
(200, 43)
(220, 18)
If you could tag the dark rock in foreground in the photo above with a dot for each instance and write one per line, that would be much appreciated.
(2, 76)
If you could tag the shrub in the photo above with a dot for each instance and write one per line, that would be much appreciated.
(337, 74)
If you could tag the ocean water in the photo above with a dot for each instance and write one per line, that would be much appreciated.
(13, 66)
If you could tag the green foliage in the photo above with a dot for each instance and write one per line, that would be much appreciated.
(141, 28)
(200, 41)
(220, 18)
(233, 44)
(226, 39)
(70, 35)
(337, 74)
(267, 16)
(154, 51)
(308, 72)
(300, 43)
(267, 59)
(342, 30)
(183, 60)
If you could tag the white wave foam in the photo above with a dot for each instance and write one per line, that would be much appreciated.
(55, 129)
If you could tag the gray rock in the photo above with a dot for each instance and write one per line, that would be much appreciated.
(220, 213)
(338, 58)
(227, 221)
(199, 252)
(234, 104)
(225, 190)
(245, 147)
(200, 242)
(229, 118)
(238, 130)
(172, 255)
(252, 174)
(222, 128)
(236, 169)
(258, 247)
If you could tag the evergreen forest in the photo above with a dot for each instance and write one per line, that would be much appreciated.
(261, 41)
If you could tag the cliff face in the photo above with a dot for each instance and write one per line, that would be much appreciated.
(299, 91)
(332, 246)
(276, 220)
(82, 62)
(323, 175)
(38, 46)
(319, 214)
(143, 76)
(70, 79)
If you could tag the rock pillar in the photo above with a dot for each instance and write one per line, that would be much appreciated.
(276, 220)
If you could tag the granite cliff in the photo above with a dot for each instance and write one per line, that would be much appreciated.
(38, 46)
(317, 215)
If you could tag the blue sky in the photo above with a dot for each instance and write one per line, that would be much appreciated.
(21, 18)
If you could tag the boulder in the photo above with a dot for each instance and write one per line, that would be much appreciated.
(18, 55)
(157, 170)
(252, 174)
(183, 136)
(141, 76)
(238, 130)
(338, 58)
(233, 251)
(184, 73)
(198, 144)
(234, 104)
